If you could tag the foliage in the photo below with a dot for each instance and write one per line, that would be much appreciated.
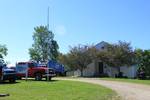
(82, 55)
(34, 55)
(117, 55)
(138, 53)
(78, 57)
(3, 51)
(54, 49)
(2, 63)
(44, 47)
(144, 61)
(65, 60)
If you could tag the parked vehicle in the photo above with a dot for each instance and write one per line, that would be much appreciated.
(31, 69)
(6, 73)
(58, 67)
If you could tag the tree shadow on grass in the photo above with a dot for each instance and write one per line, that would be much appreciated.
(8, 83)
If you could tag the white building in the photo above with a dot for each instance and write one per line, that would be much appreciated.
(98, 68)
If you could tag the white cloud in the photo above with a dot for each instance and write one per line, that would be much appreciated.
(60, 30)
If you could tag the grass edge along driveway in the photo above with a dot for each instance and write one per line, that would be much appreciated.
(137, 81)
(56, 90)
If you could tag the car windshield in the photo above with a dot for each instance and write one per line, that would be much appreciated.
(21, 68)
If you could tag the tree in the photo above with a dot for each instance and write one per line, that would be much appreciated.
(54, 49)
(117, 55)
(67, 61)
(3, 51)
(34, 55)
(80, 56)
(138, 54)
(143, 61)
(44, 47)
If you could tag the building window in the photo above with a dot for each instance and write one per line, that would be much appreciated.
(102, 47)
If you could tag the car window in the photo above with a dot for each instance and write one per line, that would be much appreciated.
(31, 65)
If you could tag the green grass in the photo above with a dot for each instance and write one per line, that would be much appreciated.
(55, 90)
(146, 82)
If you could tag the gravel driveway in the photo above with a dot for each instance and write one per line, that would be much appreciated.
(127, 91)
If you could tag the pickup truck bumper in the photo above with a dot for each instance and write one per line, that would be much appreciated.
(9, 76)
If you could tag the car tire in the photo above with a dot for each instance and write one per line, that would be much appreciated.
(38, 76)
(13, 80)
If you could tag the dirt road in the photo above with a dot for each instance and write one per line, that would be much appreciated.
(128, 91)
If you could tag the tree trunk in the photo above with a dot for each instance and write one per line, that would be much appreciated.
(81, 72)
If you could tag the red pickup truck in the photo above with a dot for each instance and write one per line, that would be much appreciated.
(30, 69)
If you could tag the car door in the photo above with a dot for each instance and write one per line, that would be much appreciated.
(30, 69)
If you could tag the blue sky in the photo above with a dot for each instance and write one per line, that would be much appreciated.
(73, 22)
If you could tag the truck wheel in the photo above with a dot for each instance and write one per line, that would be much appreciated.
(12, 80)
(38, 76)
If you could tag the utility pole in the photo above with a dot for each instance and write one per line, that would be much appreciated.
(48, 30)
(48, 18)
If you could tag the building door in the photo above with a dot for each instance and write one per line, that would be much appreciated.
(101, 69)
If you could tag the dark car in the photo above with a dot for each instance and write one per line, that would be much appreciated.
(7, 73)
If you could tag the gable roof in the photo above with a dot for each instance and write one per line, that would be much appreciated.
(101, 45)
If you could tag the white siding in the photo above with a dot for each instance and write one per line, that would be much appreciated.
(90, 70)
(110, 71)
(130, 72)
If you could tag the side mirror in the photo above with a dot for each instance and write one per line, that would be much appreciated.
(31, 65)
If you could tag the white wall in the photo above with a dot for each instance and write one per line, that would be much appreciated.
(77, 73)
(129, 71)
(73, 73)
(90, 70)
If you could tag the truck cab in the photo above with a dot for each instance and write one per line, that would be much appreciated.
(31, 70)
(6, 73)
(58, 67)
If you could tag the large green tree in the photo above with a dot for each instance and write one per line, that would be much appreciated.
(44, 47)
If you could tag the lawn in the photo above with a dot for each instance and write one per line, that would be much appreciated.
(55, 90)
(146, 82)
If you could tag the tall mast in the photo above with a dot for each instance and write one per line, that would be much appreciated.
(48, 18)
(48, 30)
